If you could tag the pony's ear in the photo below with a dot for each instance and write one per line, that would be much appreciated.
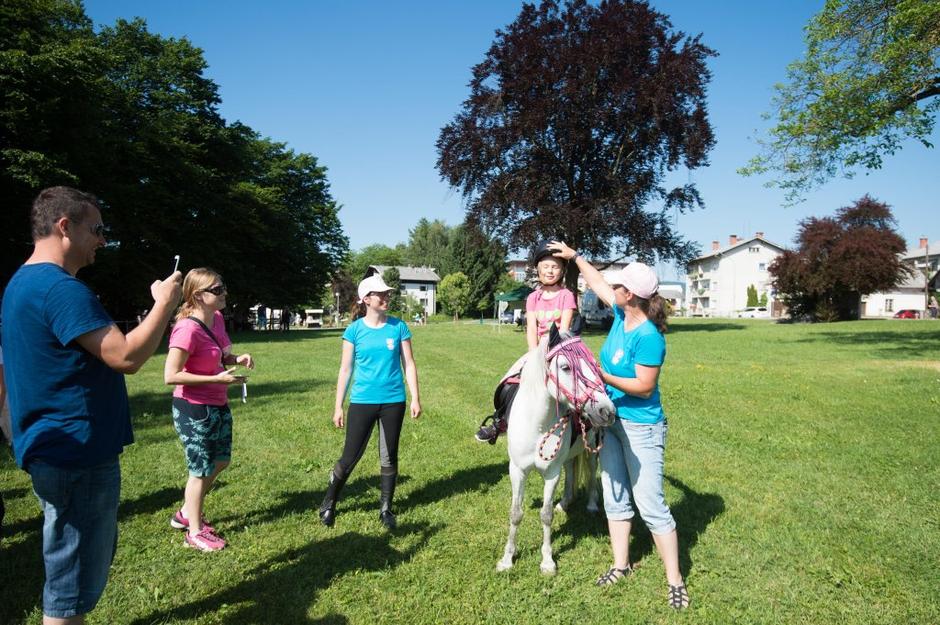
(554, 337)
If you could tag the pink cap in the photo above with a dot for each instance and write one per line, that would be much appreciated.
(639, 279)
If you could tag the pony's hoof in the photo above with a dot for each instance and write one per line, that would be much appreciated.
(503, 565)
(548, 569)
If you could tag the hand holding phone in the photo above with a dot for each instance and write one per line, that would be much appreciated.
(176, 262)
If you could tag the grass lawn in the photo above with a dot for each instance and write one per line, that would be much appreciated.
(803, 468)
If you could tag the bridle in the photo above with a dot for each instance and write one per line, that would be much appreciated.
(582, 393)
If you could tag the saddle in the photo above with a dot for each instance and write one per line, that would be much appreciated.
(503, 397)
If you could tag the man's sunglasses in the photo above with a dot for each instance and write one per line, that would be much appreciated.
(216, 290)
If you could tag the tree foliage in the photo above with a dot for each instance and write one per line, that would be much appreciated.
(839, 259)
(454, 293)
(427, 243)
(392, 278)
(869, 81)
(574, 118)
(481, 259)
(129, 116)
(751, 295)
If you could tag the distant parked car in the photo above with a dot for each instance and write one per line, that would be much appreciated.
(754, 312)
(907, 313)
(506, 316)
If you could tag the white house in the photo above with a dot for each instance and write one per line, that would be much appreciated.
(909, 295)
(717, 283)
(418, 282)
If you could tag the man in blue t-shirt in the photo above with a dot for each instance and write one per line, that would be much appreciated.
(64, 362)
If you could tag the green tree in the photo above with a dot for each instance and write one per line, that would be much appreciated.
(869, 80)
(130, 116)
(751, 295)
(427, 243)
(392, 278)
(763, 299)
(481, 259)
(376, 254)
(574, 119)
(454, 293)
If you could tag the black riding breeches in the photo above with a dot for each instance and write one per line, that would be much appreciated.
(360, 419)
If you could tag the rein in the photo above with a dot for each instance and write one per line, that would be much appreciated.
(583, 392)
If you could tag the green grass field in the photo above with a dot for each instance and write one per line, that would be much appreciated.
(803, 468)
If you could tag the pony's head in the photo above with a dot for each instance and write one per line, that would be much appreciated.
(573, 377)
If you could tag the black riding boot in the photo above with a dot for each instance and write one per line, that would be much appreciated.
(388, 477)
(328, 507)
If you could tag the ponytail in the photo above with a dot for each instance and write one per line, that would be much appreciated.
(656, 310)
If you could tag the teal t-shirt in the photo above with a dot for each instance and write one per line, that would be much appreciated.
(377, 375)
(622, 351)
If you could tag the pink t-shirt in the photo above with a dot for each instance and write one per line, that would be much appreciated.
(205, 358)
(548, 311)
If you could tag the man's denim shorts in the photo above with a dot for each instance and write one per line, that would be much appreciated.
(79, 533)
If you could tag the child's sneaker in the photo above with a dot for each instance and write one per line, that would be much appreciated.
(178, 521)
(205, 540)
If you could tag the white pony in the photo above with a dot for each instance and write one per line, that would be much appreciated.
(559, 377)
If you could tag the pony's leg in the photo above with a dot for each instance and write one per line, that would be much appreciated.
(547, 514)
(567, 493)
(517, 477)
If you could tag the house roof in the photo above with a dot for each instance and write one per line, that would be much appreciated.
(918, 252)
(741, 243)
(411, 274)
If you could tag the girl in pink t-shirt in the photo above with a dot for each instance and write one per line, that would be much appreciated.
(551, 302)
(548, 304)
(200, 350)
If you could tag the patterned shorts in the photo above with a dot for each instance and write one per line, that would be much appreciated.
(206, 434)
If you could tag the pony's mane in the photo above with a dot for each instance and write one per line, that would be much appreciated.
(532, 380)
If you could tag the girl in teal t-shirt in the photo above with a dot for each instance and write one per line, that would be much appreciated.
(376, 348)
(633, 455)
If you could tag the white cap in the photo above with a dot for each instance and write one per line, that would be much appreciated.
(373, 284)
(639, 279)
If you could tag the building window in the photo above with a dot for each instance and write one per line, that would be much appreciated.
(753, 249)
(423, 287)
(889, 305)
(762, 267)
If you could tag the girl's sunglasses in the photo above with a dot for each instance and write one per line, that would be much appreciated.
(216, 290)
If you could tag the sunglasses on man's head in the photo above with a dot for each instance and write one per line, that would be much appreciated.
(216, 290)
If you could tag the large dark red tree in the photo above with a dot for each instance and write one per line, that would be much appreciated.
(574, 119)
(838, 260)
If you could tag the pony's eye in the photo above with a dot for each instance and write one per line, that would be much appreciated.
(565, 367)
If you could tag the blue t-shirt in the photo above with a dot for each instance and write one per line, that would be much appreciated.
(67, 407)
(377, 376)
(622, 351)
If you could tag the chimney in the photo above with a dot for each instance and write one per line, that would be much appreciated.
(733, 239)
(923, 242)
(759, 235)
(714, 246)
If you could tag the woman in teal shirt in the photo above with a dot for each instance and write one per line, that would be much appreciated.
(633, 455)
(375, 349)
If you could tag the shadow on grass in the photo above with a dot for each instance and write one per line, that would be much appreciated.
(22, 574)
(888, 345)
(692, 513)
(282, 589)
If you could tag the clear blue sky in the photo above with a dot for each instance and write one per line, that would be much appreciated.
(366, 86)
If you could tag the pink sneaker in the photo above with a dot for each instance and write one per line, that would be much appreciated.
(178, 521)
(205, 540)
